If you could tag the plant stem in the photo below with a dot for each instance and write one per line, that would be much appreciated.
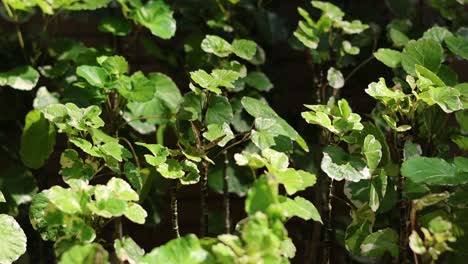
(226, 200)
(413, 228)
(203, 196)
(329, 232)
(174, 210)
(160, 134)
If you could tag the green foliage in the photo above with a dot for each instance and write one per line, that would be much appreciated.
(105, 143)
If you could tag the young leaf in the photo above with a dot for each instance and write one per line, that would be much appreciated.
(66, 200)
(338, 165)
(301, 208)
(21, 78)
(159, 152)
(389, 57)
(260, 197)
(259, 81)
(94, 75)
(188, 248)
(157, 17)
(335, 78)
(264, 114)
(216, 45)
(219, 111)
(432, 171)
(37, 141)
(136, 214)
(458, 45)
(425, 52)
(85, 254)
(437, 33)
(295, 180)
(128, 250)
(13, 242)
(244, 48)
(372, 150)
(329, 10)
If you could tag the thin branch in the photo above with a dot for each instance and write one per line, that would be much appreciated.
(174, 210)
(226, 200)
(137, 161)
(203, 196)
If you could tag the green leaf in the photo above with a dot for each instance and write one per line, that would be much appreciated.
(115, 64)
(136, 214)
(188, 248)
(221, 132)
(73, 167)
(85, 254)
(432, 171)
(260, 197)
(301, 208)
(376, 244)
(244, 48)
(353, 27)
(389, 57)
(94, 75)
(411, 150)
(372, 150)
(458, 45)
(115, 25)
(217, 78)
(2, 198)
(416, 243)
(191, 107)
(37, 140)
(335, 78)
(44, 98)
(338, 165)
(329, 10)
(295, 180)
(398, 38)
(66, 200)
(13, 242)
(437, 33)
(447, 98)
(349, 48)
(44, 217)
(134, 176)
(171, 169)
(137, 88)
(425, 52)
(259, 81)
(21, 78)
(267, 120)
(163, 105)
(423, 71)
(380, 91)
(219, 111)
(157, 17)
(217, 45)
(128, 250)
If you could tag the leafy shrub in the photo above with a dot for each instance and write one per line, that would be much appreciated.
(122, 138)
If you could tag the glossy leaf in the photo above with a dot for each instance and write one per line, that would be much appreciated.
(338, 165)
(157, 16)
(21, 78)
(37, 141)
(13, 242)
(188, 248)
